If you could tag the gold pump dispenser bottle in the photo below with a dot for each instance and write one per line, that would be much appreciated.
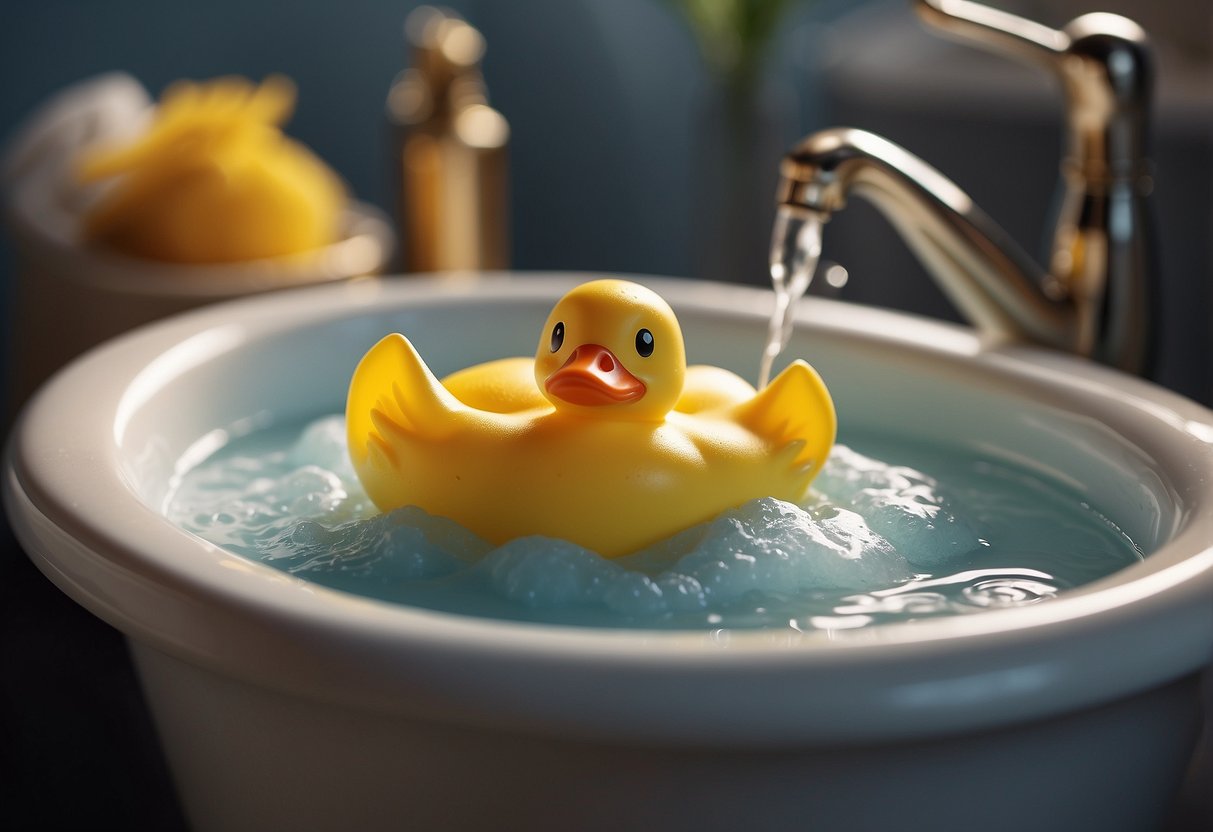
(451, 149)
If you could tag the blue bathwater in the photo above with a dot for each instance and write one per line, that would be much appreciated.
(892, 531)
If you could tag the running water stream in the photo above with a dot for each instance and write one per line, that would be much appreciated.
(795, 250)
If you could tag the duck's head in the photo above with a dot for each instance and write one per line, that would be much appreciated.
(612, 349)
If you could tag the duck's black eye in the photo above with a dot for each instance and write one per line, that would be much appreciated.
(557, 335)
(644, 343)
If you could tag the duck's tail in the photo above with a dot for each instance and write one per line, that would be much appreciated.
(795, 412)
(393, 397)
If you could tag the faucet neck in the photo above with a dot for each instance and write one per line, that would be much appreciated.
(993, 282)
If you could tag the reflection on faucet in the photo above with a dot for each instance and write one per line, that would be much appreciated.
(1095, 297)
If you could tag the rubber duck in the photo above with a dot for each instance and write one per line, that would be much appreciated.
(214, 180)
(605, 438)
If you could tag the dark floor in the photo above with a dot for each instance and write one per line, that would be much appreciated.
(76, 744)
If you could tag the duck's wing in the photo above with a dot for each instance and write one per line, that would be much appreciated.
(506, 385)
(393, 394)
(796, 412)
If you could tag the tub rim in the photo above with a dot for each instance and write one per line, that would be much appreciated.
(901, 680)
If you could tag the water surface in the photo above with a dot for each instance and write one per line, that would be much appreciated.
(893, 530)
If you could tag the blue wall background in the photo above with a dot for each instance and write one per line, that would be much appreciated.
(607, 102)
(601, 96)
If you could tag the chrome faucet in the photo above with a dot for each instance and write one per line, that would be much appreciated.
(1095, 296)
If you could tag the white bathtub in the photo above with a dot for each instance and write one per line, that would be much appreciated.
(286, 705)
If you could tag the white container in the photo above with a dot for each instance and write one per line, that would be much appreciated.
(70, 296)
(286, 705)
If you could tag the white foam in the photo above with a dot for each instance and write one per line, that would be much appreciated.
(870, 526)
(907, 507)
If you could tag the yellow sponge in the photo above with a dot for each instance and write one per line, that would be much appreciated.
(214, 180)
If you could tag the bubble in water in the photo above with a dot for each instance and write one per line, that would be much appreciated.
(542, 572)
(406, 544)
(769, 545)
(323, 443)
(681, 593)
(635, 595)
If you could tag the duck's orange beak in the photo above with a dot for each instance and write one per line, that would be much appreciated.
(592, 376)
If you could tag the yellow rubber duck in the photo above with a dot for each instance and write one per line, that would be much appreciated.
(214, 180)
(606, 438)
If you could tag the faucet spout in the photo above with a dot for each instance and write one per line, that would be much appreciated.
(982, 270)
